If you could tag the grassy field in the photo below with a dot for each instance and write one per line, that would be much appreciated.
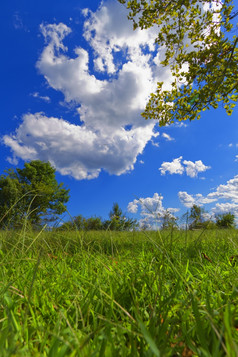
(119, 294)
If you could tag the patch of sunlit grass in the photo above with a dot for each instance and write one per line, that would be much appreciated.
(118, 293)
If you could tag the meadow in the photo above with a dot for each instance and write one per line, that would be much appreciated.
(169, 293)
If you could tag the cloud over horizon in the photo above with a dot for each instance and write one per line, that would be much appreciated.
(227, 194)
(151, 210)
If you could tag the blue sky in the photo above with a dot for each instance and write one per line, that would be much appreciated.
(74, 79)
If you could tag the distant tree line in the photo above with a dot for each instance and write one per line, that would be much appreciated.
(196, 220)
(32, 196)
(117, 222)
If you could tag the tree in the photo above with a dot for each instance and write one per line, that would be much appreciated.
(83, 224)
(200, 49)
(118, 221)
(78, 223)
(195, 216)
(225, 220)
(10, 196)
(32, 193)
(93, 224)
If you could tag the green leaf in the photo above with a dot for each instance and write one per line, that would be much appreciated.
(148, 338)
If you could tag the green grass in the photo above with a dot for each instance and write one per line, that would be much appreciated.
(118, 294)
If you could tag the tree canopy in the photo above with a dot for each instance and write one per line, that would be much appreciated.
(225, 220)
(201, 48)
(32, 193)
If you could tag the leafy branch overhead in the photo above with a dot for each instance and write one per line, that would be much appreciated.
(200, 43)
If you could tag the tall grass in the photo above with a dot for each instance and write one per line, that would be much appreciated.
(118, 294)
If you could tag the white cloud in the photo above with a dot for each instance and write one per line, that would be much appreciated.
(155, 144)
(149, 205)
(132, 207)
(227, 207)
(190, 200)
(229, 191)
(167, 137)
(179, 125)
(193, 168)
(44, 98)
(176, 167)
(110, 133)
(12, 160)
(186, 199)
(109, 32)
(151, 210)
(74, 149)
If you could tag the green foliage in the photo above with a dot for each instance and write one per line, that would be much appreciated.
(202, 41)
(83, 224)
(93, 224)
(195, 217)
(32, 193)
(225, 220)
(209, 224)
(117, 222)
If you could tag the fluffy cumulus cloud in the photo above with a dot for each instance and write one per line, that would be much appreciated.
(186, 199)
(190, 200)
(174, 167)
(178, 167)
(227, 207)
(229, 191)
(193, 168)
(151, 210)
(225, 196)
(108, 85)
(75, 150)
